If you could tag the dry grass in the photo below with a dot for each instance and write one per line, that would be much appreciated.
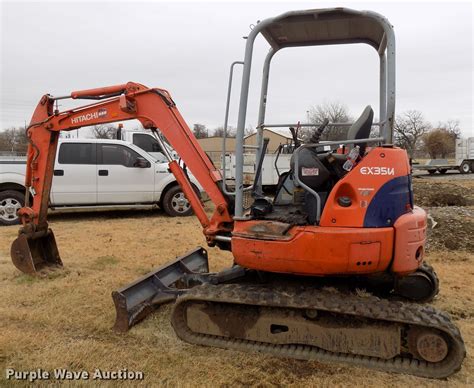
(65, 320)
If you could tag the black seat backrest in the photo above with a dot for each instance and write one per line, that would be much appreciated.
(361, 128)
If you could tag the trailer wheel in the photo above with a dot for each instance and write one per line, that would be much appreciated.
(443, 171)
(175, 204)
(465, 168)
(10, 202)
(431, 172)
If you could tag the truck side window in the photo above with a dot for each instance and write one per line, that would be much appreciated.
(146, 142)
(77, 153)
(116, 154)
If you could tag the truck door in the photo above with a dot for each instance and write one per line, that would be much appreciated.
(122, 178)
(75, 175)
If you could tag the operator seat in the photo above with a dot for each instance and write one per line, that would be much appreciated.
(361, 127)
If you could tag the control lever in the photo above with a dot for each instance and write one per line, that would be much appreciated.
(257, 193)
(294, 135)
(317, 134)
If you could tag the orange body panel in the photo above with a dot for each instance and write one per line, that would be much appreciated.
(313, 250)
(361, 184)
(410, 238)
(340, 244)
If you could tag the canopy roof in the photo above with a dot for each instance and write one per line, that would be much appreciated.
(326, 27)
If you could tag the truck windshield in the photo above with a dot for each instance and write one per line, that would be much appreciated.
(149, 144)
(146, 142)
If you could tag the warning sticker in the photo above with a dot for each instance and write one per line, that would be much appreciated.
(309, 171)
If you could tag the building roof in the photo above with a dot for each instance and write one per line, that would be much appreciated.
(269, 130)
(216, 137)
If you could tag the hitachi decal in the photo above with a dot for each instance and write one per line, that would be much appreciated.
(89, 116)
(377, 171)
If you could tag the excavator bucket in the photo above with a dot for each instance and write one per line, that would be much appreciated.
(32, 252)
(137, 300)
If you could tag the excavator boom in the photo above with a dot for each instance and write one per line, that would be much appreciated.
(36, 247)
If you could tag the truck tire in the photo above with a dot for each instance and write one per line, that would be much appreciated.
(465, 168)
(431, 172)
(175, 204)
(443, 171)
(10, 202)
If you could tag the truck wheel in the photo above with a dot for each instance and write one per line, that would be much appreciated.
(175, 204)
(465, 168)
(443, 171)
(10, 202)
(431, 172)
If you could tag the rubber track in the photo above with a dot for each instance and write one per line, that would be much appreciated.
(430, 272)
(295, 297)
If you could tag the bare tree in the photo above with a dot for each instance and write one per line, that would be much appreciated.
(200, 131)
(219, 132)
(335, 112)
(249, 130)
(103, 131)
(452, 127)
(409, 128)
(13, 140)
(439, 142)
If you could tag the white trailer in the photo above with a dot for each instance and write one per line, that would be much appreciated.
(464, 159)
(269, 172)
(465, 155)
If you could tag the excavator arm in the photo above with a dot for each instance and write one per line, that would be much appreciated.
(154, 108)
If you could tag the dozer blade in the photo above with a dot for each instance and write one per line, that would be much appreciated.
(137, 300)
(32, 252)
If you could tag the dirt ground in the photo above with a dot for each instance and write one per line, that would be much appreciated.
(450, 207)
(65, 320)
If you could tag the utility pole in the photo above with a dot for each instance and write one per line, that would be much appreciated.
(26, 134)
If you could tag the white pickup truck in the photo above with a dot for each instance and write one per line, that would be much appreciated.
(93, 173)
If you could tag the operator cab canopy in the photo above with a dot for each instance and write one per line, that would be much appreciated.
(317, 27)
(325, 27)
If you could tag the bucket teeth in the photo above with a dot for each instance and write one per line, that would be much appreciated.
(137, 300)
(32, 252)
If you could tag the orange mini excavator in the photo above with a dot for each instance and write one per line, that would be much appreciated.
(342, 219)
